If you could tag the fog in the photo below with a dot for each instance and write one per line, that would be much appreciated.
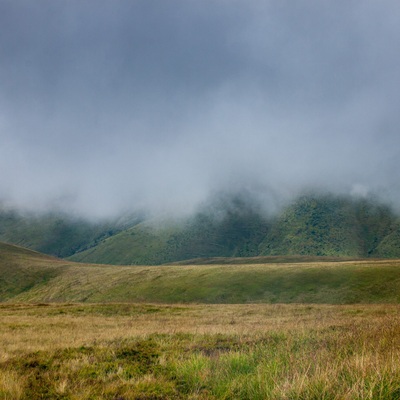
(107, 106)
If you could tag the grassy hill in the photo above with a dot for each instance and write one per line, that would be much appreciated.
(28, 276)
(22, 270)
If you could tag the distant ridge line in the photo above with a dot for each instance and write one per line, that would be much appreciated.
(265, 260)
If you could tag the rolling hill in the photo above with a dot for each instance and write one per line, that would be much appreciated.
(28, 276)
(22, 269)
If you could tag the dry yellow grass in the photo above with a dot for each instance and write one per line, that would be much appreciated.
(28, 328)
(258, 351)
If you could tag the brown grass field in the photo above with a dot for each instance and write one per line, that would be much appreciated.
(152, 351)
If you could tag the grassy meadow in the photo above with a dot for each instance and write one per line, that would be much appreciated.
(244, 351)
(273, 328)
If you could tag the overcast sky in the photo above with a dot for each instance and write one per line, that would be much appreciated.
(107, 105)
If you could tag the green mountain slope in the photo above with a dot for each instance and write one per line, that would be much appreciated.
(389, 246)
(225, 226)
(315, 225)
(231, 232)
(27, 276)
(56, 234)
(330, 226)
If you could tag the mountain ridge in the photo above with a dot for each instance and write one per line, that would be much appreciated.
(228, 226)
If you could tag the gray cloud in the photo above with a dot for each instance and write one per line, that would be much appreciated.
(110, 105)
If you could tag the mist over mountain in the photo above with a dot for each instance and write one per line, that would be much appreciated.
(108, 107)
(227, 225)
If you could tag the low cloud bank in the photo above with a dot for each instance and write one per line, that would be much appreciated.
(110, 107)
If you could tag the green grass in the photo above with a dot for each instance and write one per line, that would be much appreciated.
(271, 352)
(22, 269)
(29, 276)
